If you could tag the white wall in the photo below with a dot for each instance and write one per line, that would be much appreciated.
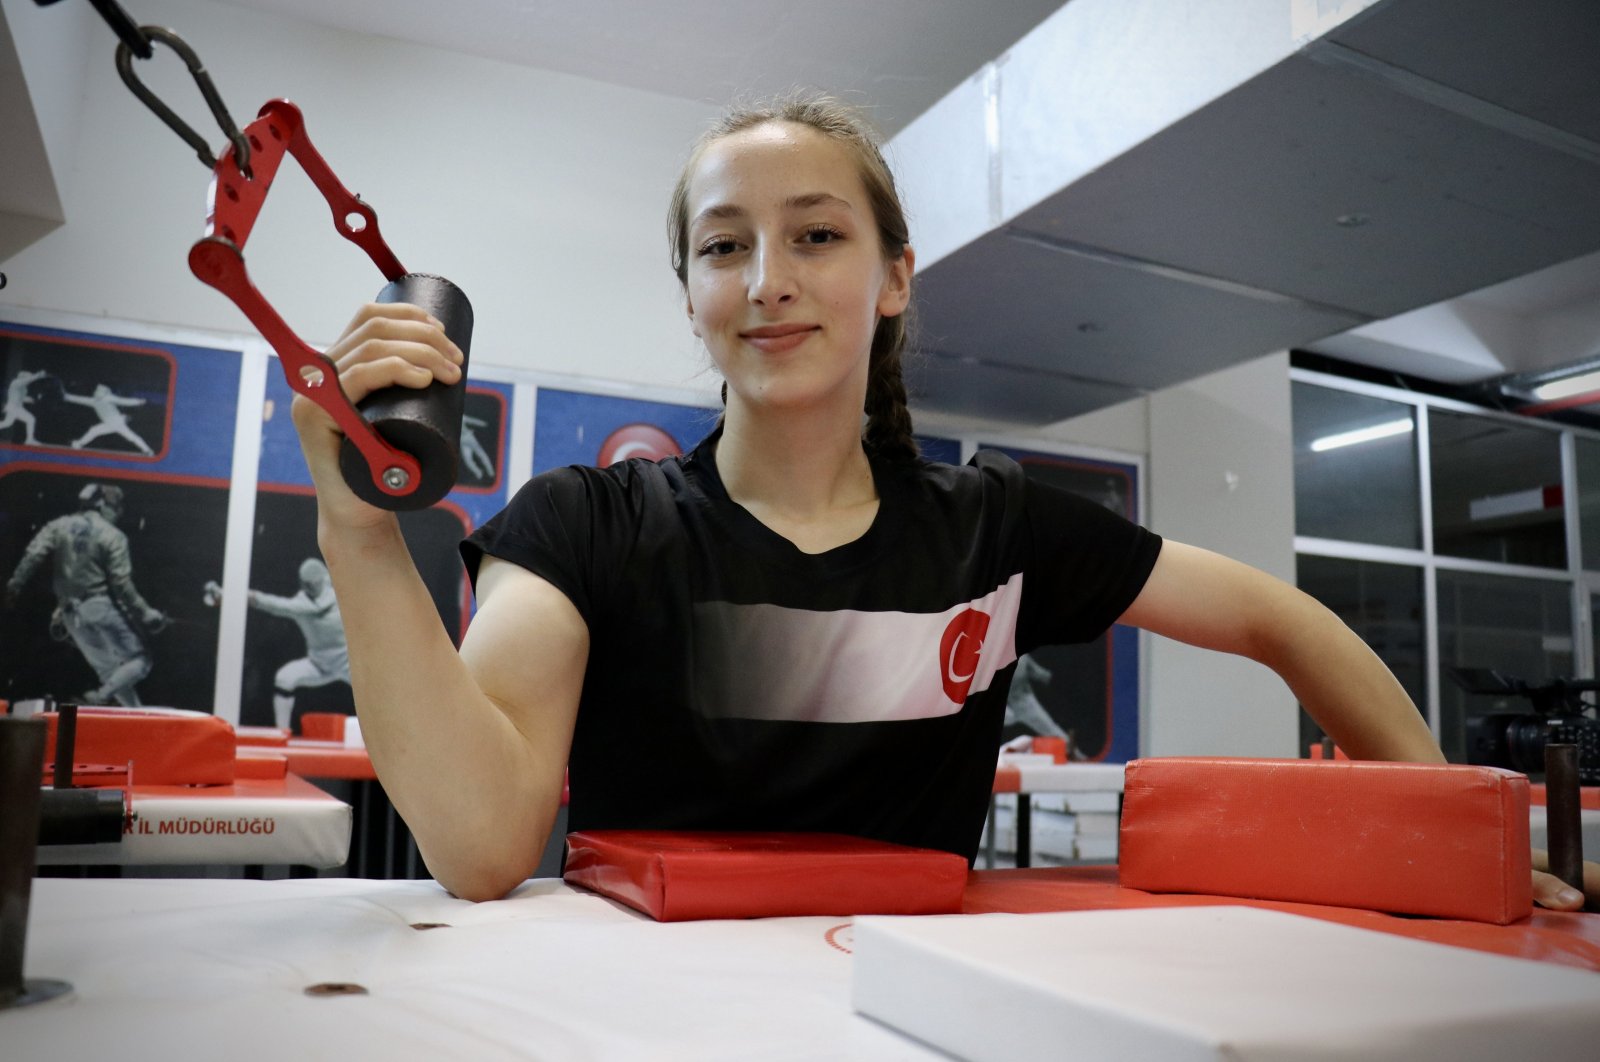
(542, 195)
(42, 63)
(1222, 477)
(1219, 474)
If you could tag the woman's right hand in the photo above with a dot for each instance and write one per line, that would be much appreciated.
(385, 345)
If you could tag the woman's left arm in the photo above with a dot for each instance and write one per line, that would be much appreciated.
(1207, 600)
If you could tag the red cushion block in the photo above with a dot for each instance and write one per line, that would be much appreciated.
(165, 746)
(323, 726)
(1427, 839)
(675, 876)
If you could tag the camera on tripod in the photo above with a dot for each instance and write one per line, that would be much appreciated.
(1556, 713)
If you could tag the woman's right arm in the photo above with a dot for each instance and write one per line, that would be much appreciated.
(471, 746)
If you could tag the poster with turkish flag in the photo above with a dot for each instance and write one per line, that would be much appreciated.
(573, 428)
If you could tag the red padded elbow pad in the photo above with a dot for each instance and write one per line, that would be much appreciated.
(675, 876)
(1409, 838)
(165, 746)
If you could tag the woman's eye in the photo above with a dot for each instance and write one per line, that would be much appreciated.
(718, 247)
(821, 235)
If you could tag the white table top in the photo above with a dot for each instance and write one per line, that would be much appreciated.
(205, 969)
(209, 969)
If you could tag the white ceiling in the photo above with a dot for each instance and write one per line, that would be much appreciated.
(1466, 131)
(895, 56)
(1435, 85)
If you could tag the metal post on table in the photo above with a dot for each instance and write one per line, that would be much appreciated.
(1024, 830)
(21, 767)
(1563, 814)
(66, 744)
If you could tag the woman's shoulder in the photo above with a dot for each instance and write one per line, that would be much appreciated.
(634, 481)
(987, 470)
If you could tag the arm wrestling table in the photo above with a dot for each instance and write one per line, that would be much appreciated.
(351, 968)
(194, 795)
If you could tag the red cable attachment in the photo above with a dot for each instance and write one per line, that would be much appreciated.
(234, 202)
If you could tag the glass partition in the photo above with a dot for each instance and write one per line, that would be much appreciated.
(1521, 628)
(1588, 453)
(1355, 468)
(1496, 490)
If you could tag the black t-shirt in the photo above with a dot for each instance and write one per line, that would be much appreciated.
(735, 682)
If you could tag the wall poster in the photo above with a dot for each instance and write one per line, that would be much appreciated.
(115, 458)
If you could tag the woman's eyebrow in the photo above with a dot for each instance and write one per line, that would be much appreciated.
(724, 211)
(812, 199)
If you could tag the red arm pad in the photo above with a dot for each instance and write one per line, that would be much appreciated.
(675, 876)
(165, 746)
(1429, 839)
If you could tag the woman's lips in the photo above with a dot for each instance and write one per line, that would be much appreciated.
(780, 339)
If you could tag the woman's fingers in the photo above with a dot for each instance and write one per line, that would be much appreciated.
(389, 345)
(387, 311)
(385, 345)
(421, 338)
(399, 368)
(1550, 891)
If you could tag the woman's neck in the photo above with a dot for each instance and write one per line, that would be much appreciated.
(806, 478)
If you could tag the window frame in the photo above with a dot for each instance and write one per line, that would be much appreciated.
(1582, 583)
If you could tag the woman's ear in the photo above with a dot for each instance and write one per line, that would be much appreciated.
(895, 295)
(694, 326)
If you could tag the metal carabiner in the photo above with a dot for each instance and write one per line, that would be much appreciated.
(219, 110)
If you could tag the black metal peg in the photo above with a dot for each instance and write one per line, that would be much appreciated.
(21, 765)
(1563, 814)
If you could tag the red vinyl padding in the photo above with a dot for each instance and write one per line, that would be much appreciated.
(323, 726)
(676, 876)
(166, 747)
(1448, 841)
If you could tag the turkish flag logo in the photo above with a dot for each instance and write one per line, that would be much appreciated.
(636, 440)
(959, 650)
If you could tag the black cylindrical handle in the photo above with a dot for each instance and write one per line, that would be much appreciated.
(1563, 814)
(424, 423)
(21, 764)
(81, 816)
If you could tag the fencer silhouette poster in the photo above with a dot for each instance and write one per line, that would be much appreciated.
(114, 475)
(296, 659)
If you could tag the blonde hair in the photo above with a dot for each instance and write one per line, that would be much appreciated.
(888, 431)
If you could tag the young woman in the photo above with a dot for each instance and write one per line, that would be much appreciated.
(801, 625)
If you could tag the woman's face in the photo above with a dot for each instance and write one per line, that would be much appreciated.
(786, 275)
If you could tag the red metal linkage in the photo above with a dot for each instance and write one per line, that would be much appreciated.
(217, 258)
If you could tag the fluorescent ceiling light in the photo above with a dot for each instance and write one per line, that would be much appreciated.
(1361, 435)
(1572, 385)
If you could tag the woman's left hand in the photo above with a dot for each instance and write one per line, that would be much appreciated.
(1550, 891)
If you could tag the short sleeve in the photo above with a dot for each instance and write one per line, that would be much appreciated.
(1085, 566)
(550, 528)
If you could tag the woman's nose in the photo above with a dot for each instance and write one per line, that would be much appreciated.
(772, 278)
